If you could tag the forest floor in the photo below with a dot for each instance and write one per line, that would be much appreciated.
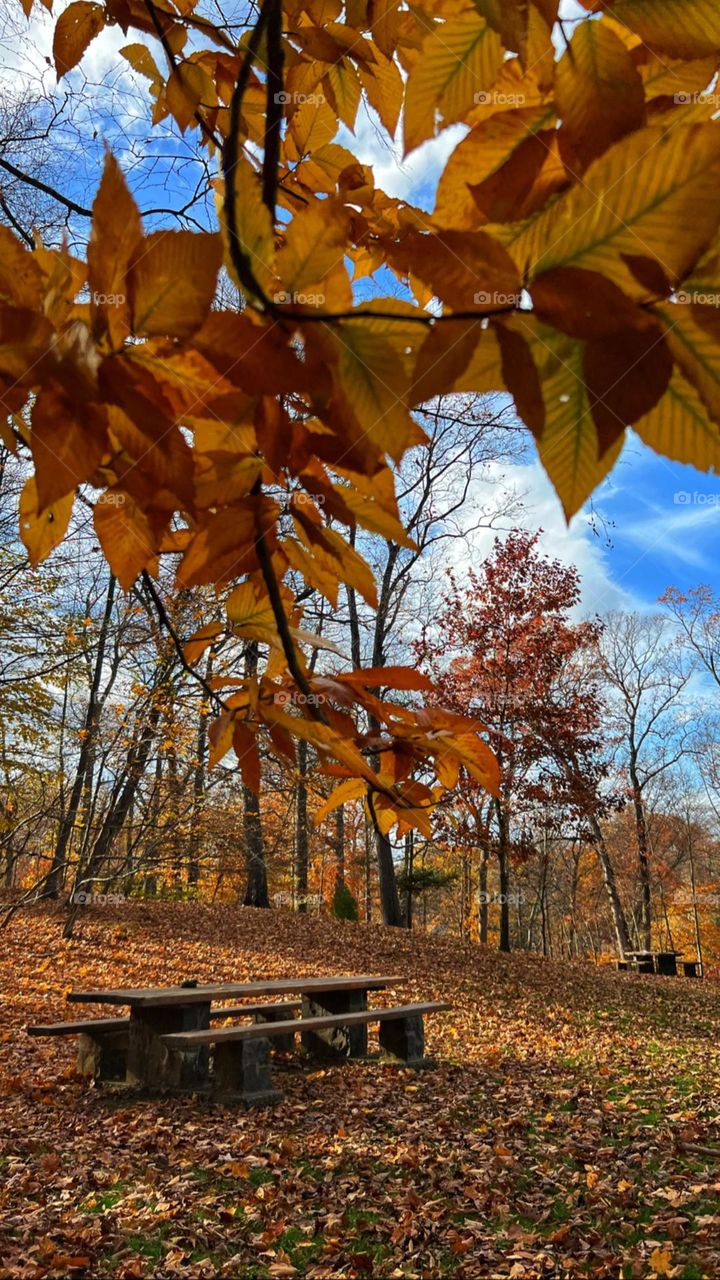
(569, 1128)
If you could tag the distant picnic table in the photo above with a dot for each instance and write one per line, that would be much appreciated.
(165, 1041)
(661, 962)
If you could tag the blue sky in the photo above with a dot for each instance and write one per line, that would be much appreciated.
(665, 524)
(653, 523)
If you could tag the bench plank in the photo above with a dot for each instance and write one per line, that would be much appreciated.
(246, 1010)
(189, 1039)
(78, 1028)
(146, 997)
(117, 1024)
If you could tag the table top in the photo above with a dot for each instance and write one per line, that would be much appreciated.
(654, 953)
(144, 997)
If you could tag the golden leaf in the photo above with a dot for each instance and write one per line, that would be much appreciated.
(42, 531)
(74, 30)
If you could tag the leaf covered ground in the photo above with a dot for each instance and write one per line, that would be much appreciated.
(567, 1129)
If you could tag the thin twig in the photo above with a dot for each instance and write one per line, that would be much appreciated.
(166, 622)
(240, 259)
(172, 61)
(273, 106)
(43, 186)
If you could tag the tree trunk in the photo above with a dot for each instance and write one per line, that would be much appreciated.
(483, 906)
(572, 930)
(256, 889)
(643, 844)
(120, 805)
(199, 779)
(409, 865)
(693, 887)
(340, 846)
(57, 871)
(301, 828)
(503, 863)
(622, 934)
(389, 897)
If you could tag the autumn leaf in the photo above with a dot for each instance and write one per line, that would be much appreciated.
(142, 61)
(249, 610)
(569, 448)
(626, 375)
(598, 93)
(464, 269)
(674, 182)
(692, 336)
(126, 536)
(314, 245)
(76, 27)
(520, 376)
(661, 1261)
(680, 427)
(115, 240)
(583, 304)
(253, 230)
(42, 530)
(171, 282)
(21, 281)
(67, 443)
(488, 151)
(458, 62)
(225, 547)
(681, 28)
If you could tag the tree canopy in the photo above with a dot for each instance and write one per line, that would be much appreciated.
(570, 262)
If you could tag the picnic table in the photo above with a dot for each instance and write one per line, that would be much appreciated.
(662, 962)
(165, 1041)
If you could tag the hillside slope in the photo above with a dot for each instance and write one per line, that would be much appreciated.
(567, 1129)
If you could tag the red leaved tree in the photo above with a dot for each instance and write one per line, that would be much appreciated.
(512, 658)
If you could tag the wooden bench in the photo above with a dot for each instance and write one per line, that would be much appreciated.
(241, 1058)
(103, 1042)
(663, 963)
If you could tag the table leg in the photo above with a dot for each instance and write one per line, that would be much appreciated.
(282, 1044)
(339, 1041)
(242, 1072)
(152, 1063)
(103, 1055)
(403, 1040)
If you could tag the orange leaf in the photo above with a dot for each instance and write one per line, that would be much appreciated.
(626, 374)
(67, 442)
(74, 29)
(42, 531)
(125, 534)
(116, 235)
(172, 282)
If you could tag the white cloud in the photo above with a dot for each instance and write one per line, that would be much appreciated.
(413, 178)
(539, 508)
